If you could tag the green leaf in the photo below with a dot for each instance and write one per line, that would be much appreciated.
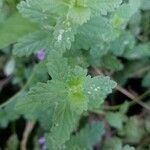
(127, 147)
(64, 122)
(79, 15)
(3, 11)
(5, 115)
(139, 52)
(124, 42)
(66, 98)
(103, 6)
(75, 57)
(134, 130)
(111, 62)
(64, 34)
(115, 119)
(39, 72)
(146, 80)
(130, 70)
(12, 143)
(124, 107)
(147, 123)
(14, 28)
(99, 50)
(68, 110)
(97, 89)
(43, 95)
(74, 80)
(66, 95)
(33, 42)
(123, 14)
(97, 29)
(145, 5)
(38, 11)
(114, 143)
(87, 137)
(76, 94)
(57, 66)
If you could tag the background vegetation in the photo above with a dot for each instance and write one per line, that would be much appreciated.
(99, 38)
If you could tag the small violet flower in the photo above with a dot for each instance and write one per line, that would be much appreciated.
(41, 141)
(40, 54)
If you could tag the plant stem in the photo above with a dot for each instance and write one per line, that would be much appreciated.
(132, 97)
(28, 129)
(141, 97)
(126, 92)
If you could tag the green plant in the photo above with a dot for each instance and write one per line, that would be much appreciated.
(73, 35)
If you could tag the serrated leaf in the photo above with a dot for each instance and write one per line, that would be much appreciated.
(103, 6)
(125, 41)
(86, 138)
(115, 143)
(123, 14)
(98, 28)
(79, 15)
(127, 147)
(66, 101)
(31, 43)
(75, 57)
(97, 89)
(76, 95)
(99, 50)
(38, 11)
(139, 52)
(82, 42)
(14, 28)
(65, 121)
(57, 66)
(41, 95)
(64, 34)
(74, 79)
(66, 95)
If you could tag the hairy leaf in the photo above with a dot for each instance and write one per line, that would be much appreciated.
(97, 89)
(87, 137)
(33, 42)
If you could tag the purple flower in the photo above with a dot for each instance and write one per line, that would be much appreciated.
(41, 141)
(40, 54)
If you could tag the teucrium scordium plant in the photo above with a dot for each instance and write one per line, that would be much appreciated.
(70, 36)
